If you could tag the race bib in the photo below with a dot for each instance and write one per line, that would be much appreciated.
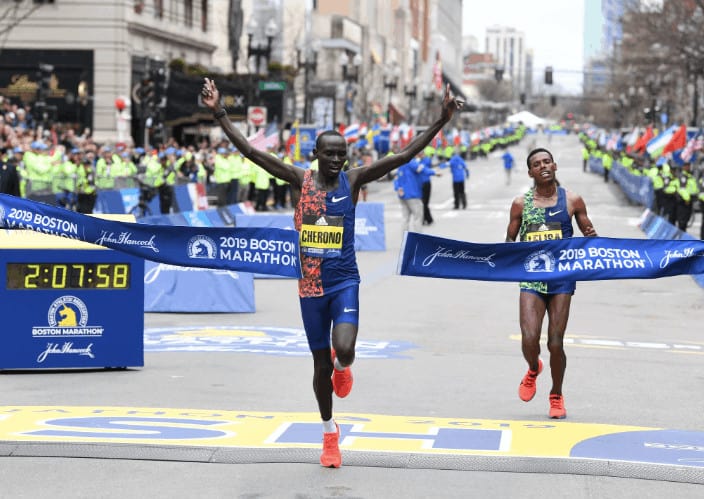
(322, 236)
(543, 231)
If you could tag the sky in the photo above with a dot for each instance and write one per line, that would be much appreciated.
(552, 28)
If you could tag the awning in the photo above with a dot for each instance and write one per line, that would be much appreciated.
(456, 90)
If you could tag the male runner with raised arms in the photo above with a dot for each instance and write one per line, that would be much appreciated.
(545, 212)
(325, 217)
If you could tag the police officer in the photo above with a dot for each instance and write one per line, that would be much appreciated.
(607, 162)
(166, 180)
(669, 196)
(87, 190)
(687, 191)
(9, 177)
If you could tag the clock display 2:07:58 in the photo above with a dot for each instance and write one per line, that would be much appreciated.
(68, 275)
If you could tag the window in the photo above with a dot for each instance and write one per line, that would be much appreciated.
(204, 15)
(188, 14)
(159, 9)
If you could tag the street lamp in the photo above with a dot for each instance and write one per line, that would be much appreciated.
(350, 74)
(307, 59)
(411, 93)
(390, 83)
(260, 51)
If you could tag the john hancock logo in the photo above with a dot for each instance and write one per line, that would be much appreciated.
(540, 261)
(201, 247)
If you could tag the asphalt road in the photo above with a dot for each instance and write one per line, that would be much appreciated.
(626, 366)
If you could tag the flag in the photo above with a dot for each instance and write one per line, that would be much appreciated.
(658, 143)
(612, 142)
(678, 140)
(643, 139)
(351, 133)
(695, 144)
(293, 144)
(267, 138)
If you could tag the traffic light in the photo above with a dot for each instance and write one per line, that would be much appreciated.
(553, 100)
(44, 82)
(523, 98)
(548, 75)
(158, 77)
(498, 74)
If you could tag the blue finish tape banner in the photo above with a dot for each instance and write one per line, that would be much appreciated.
(279, 221)
(572, 259)
(262, 250)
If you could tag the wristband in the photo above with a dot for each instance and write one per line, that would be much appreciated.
(219, 114)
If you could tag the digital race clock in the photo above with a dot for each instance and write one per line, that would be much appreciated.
(70, 275)
(69, 304)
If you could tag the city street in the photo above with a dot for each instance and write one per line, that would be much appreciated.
(442, 356)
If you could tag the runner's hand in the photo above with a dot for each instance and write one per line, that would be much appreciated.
(210, 95)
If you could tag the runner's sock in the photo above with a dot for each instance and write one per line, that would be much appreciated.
(329, 426)
(337, 365)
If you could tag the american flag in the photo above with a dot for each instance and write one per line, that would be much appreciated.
(694, 144)
(265, 138)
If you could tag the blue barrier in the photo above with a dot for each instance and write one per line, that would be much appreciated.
(595, 165)
(638, 188)
(169, 288)
(369, 229)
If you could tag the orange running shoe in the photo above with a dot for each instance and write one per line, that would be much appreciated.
(526, 391)
(341, 380)
(557, 407)
(331, 457)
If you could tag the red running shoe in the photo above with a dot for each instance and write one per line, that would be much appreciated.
(526, 391)
(331, 457)
(341, 380)
(557, 407)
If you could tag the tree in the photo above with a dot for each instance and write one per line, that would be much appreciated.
(15, 13)
(660, 61)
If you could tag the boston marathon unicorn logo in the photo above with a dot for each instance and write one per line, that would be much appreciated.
(68, 311)
(201, 247)
(540, 261)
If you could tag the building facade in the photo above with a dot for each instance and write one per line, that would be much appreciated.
(99, 51)
(507, 46)
(322, 61)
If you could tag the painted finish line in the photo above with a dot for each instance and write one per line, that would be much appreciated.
(596, 342)
(359, 432)
(268, 340)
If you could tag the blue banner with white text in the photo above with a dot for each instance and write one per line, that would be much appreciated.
(261, 250)
(170, 288)
(572, 259)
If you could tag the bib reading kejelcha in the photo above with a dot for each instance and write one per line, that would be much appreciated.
(322, 236)
(545, 231)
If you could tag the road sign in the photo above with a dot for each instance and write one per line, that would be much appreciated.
(256, 115)
(272, 85)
